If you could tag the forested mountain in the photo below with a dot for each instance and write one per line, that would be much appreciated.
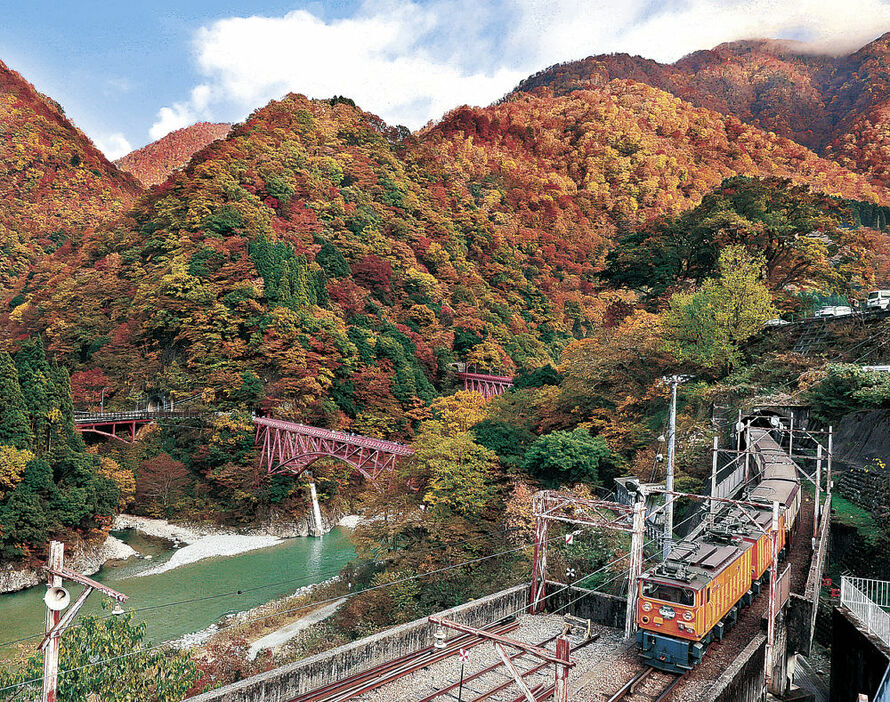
(321, 263)
(610, 218)
(834, 105)
(53, 180)
(154, 162)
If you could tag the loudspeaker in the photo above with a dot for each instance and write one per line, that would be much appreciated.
(57, 598)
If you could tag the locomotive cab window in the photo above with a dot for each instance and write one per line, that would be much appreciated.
(668, 593)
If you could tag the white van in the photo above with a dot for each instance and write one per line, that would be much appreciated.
(878, 300)
(834, 311)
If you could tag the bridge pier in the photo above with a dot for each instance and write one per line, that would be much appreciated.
(316, 511)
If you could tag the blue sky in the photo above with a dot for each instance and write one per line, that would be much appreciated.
(128, 72)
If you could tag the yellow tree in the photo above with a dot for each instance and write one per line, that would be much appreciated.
(458, 412)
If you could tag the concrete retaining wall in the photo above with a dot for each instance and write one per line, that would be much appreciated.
(858, 661)
(607, 610)
(287, 682)
(743, 680)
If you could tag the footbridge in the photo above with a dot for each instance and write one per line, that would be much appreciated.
(122, 426)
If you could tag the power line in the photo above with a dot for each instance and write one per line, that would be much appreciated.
(326, 576)
(296, 609)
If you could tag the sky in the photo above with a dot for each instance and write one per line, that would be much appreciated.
(129, 72)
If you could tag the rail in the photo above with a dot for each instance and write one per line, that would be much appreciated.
(868, 601)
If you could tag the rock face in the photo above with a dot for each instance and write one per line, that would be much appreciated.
(285, 527)
(84, 557)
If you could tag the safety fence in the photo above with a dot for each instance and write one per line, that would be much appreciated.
(868, 600)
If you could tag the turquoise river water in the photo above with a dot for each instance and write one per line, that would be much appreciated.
(263, 574)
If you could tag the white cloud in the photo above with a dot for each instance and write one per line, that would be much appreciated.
(410, 63)
(113, 145)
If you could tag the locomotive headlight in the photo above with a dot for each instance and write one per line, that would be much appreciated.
(687, 615)
(647, 606)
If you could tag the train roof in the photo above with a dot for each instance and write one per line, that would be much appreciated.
(696, 563)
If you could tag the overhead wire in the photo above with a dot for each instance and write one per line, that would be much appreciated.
(296, 609)
(326, 576)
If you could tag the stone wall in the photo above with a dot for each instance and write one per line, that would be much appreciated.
(742, 681)
(291, 680)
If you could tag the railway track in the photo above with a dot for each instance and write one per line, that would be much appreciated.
(380, 675)
(649, 685)
(541, 690)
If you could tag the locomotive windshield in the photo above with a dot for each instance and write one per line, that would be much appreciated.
(668, 593)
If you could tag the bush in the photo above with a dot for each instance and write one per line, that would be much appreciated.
(567, 457)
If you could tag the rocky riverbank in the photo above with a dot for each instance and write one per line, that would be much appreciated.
(83, 556)
(198, 541)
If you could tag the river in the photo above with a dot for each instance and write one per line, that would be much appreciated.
(263, 574)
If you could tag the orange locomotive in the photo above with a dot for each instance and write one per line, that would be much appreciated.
(695, 595)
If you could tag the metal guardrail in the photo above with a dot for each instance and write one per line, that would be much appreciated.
(868, 601)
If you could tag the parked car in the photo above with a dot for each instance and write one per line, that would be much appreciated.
(877, 300)
(834, 311)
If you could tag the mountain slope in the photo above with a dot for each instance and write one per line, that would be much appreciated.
(778, 86)
(153, 163)
(322, 264)
(53, 181)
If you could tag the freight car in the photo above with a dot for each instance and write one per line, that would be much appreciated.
(695, 595)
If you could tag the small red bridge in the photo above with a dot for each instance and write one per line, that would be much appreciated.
(486, 385)
(122, 426)
(289, 447)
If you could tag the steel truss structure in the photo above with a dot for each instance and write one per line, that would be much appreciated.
(289, 447)
(550, 506)
(486, 385)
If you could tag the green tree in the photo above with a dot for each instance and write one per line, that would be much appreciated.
(799, 234)
(14, 428)
(707, 327)
(564, 457)
(106, 657)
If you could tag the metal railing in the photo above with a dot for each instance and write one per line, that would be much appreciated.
(868, 601)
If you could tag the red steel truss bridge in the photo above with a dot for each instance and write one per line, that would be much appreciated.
(123, 426)
(289, 447)
(486, 385)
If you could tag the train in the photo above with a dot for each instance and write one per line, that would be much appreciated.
(694, 596)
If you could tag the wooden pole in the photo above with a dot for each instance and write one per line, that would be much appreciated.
(516, 676)
(561, 687)
(56, 561)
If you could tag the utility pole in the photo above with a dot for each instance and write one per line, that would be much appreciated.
(55, 562)
(669, 480)
(773, 597)
(816, 510)
(713, 506)
(638, 535)
(58, 599)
